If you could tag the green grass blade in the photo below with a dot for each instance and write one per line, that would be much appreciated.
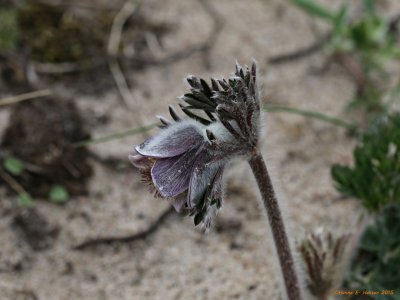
(315, 9)
(115, 136)
(369, 6)
(312, 114)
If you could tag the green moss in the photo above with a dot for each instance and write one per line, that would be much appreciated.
(55, 35)
(8, 29)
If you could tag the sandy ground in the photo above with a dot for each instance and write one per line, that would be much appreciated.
(179, 261)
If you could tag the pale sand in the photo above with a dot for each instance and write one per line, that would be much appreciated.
(179, 261)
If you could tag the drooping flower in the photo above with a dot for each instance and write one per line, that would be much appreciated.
(184, 162)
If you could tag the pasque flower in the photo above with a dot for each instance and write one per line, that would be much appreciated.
(179, 164)
(185, 161)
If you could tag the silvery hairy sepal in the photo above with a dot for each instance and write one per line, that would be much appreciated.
(324, 260)
(184, 162)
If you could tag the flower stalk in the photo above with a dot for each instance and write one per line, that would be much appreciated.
(275, 219)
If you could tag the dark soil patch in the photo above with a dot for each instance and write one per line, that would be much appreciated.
(35, 229)
(41, 133)
(61, 35)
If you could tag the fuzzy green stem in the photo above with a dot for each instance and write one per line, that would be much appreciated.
(275, 219)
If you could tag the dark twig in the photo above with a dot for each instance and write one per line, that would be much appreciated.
(394, 23)
(204, 47)
(106, 6)
(300, 53)
(318, 45)
(14, 185)
(152, 228)
(353, 68)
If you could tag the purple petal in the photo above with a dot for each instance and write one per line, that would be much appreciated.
(139, 161)
(173, 140)
(171, 176)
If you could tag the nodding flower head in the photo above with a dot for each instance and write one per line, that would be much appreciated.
(185, 161)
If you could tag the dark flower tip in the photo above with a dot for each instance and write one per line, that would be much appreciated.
(234, 102)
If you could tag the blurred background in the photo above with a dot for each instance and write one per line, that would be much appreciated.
(81, 83)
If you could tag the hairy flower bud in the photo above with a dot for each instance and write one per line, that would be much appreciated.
(324, 258)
